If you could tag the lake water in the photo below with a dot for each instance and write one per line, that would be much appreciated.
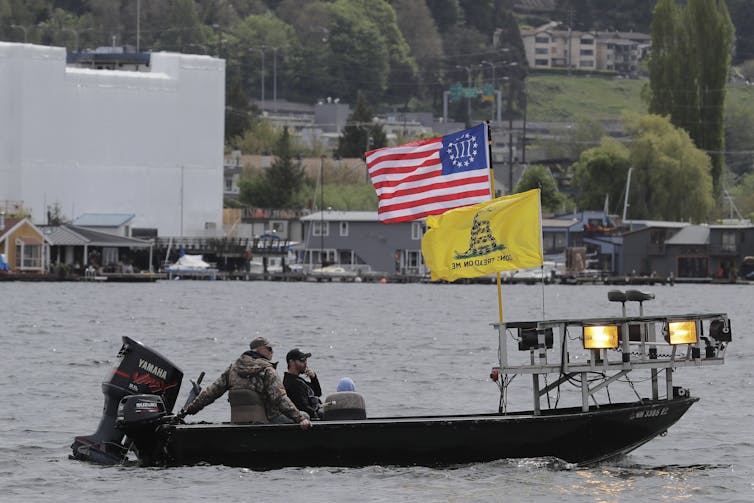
(411, 349)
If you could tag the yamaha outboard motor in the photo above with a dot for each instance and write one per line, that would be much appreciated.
(141, 371)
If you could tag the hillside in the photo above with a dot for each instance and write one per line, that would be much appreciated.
(559, 97)
(562, 97)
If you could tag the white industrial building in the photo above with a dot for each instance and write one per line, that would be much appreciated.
(148, 143)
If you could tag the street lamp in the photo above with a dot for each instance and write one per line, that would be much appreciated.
(261, 51)
(322, 210)
(509, 78)
(468, 100)
(492, 65)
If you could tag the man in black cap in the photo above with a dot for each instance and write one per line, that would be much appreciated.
(304, 394)
(253, 370)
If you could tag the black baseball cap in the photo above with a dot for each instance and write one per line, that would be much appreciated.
(296, 354)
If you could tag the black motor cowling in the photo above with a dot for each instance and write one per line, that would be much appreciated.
(138, 417)
(141, 371)
(137, 412)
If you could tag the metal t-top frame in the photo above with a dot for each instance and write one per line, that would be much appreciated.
(642, 345)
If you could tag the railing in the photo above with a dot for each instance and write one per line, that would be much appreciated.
(566, 348)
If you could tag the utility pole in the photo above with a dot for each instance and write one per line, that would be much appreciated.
(322, 210)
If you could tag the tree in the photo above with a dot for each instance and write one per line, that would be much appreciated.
(601, 171)
(743, 195)
(278, 186)
(540, 177)
(361, 133)
(691, 53)
(237, 106)
(583, 134)
(421, 33)
(671, 178)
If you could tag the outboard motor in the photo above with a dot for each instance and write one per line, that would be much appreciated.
(138, 417)
(141, 371)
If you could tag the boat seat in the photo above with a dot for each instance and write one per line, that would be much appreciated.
(344, 405)
(246, 406)
(638, 296)
(616, 296)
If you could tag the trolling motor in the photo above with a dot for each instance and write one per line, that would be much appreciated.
(146, 381)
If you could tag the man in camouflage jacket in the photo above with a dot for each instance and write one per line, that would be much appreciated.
(252, 370)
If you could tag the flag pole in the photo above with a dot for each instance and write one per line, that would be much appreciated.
(492, 195)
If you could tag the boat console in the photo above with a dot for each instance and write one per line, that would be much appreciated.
(596, 352)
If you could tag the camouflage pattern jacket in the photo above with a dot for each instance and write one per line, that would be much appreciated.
(251, 371)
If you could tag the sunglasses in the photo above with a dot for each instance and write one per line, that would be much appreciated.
(269, 348)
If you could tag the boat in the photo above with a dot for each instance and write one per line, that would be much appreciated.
(138, 426)
(191, 266)
(330, 272)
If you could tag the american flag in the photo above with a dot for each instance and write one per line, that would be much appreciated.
(429, 177)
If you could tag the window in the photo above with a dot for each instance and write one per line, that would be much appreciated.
(586, 52)
(417, 230)
(587, 41)
(320, 228)
(587, 63)
(541, 50)
(542, 40)
(554, 241)
(279, 227)
(228, 184)
(343, 229)
(729, 241)
(28, 253)
(541, 62)
(413, 261)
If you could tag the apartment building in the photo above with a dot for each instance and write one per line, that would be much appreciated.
(552, 46)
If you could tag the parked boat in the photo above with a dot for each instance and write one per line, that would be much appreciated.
(592, 353)
(191, 266)
(331, 272)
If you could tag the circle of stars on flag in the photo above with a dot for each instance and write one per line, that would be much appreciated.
(466, 158)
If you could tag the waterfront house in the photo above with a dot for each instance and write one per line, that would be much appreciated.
(687, 251)
(23, 245)
(79, 247)
(358, 241)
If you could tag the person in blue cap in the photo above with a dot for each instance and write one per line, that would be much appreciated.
(346, 384)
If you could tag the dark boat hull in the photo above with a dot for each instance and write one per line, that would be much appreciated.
(569, 434)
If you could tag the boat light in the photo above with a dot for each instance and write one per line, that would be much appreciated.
(600, 337)
(682, 332)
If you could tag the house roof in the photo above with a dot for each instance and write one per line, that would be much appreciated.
(690, 235)
(103, 219)
(559, 222)
(72, 235)
(12, 223)
(340, 216)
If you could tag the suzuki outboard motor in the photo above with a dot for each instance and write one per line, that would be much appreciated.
(140, 371)
(138, 417)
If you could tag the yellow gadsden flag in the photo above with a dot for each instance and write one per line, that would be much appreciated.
(499, 235)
